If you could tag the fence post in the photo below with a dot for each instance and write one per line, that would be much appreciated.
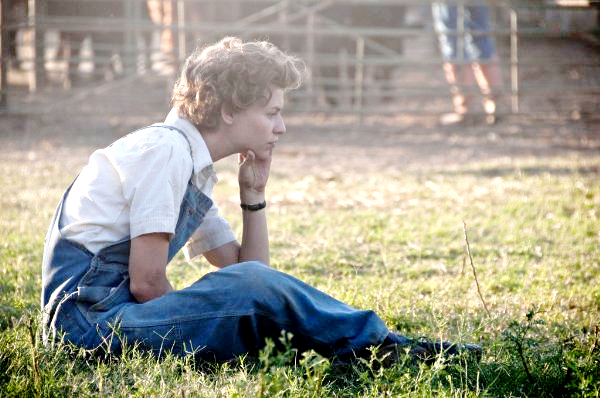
(460, 34)
(130, 26)
(514, 61)
(282, 17)
(310, 53)
(37, 11)
(359, 74)
(181, 32)
(3, 53)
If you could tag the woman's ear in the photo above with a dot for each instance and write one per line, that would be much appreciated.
(226, 114)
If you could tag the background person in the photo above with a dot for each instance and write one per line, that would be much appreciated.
(478, 62)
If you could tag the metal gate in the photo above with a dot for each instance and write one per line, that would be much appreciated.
(365, 57)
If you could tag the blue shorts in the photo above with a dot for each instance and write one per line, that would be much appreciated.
(478, 43)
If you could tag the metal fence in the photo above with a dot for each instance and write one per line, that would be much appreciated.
(365, 56)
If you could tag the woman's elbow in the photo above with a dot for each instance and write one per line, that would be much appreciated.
(140, 292)
(144, 291)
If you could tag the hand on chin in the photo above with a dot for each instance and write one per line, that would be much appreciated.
(264, 154)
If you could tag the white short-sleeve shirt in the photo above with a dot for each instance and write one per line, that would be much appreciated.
(136, 186)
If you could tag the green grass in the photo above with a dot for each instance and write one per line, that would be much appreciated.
(392, 241)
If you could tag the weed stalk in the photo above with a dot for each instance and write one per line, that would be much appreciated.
(34, 360)
(474, 271)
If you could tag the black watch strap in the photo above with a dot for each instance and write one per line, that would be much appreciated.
(256, 207)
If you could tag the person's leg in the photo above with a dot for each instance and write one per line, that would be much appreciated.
(162, 16)
(166, 37)
(488, 78)
(481, 49)
(457, 75)
(231, 312)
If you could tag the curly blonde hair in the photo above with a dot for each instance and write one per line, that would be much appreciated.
(232, 73)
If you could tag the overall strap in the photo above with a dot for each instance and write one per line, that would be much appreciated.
(173, 128)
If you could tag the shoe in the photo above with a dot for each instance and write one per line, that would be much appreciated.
(466, 119)
(452, 119)
(393, 351)
(489, 108)
(427, 351)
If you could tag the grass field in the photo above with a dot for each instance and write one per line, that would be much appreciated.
(387, 240)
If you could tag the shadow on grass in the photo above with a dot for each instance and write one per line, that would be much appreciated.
(526, 171)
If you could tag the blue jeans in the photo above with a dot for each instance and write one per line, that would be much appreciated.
(225, 314)
(232, 311)
(477, 42)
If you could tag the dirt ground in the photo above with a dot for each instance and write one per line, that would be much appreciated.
(55, 123)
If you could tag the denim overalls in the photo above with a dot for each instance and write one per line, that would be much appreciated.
(225, 314)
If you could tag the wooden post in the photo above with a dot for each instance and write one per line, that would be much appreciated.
(310, 56)
(461, 66)
(460, 34)
(36, 12)
(181, 32)
(3, 53)
(344, 90)
(130, 26)
(514, 61)
(359, 74)
(283, 20)
(174, 56)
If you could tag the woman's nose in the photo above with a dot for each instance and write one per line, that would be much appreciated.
(279, 126)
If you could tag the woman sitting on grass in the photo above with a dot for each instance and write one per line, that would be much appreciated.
(146, 196)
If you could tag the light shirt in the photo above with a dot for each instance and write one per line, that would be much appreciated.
(136, 186)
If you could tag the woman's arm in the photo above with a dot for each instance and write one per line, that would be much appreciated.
(255, 243)
(147, 266)
(252, 177)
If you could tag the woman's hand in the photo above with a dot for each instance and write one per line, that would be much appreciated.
(252, 177)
